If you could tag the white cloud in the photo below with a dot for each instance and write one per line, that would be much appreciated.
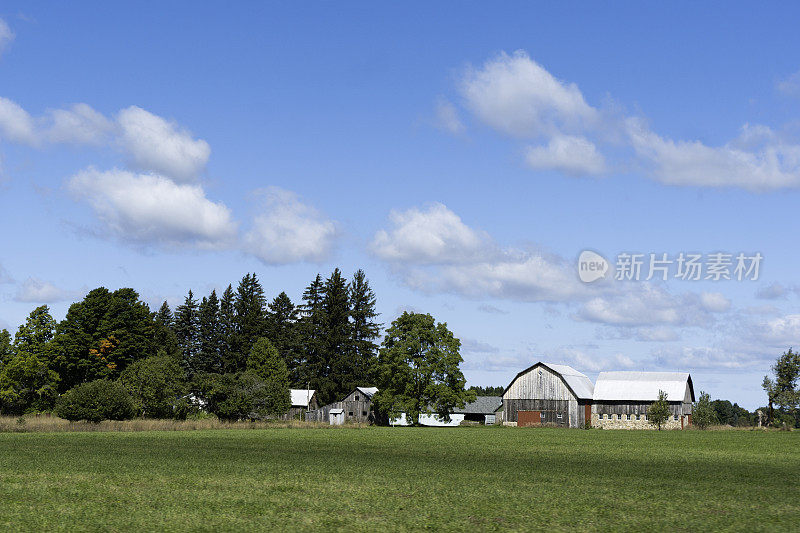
(706, 358)
(157, 145)
(568, 154)
(515, 95)
(656, 334)
(432, 250)
(715, 302)
(80, 124)
(288, 231)
(769, 165)
(34, 290)
(491, 310)
(773, 291)
(650, 305)
(582, 361)
(5, 277)
(151, 209)
(790, 85)
(16, 125)
(446, 118)
(780, 331)
(434, 235)
(6, 36)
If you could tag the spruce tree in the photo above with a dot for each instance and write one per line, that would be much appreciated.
(336, 339)
(312, 369)
(364, 329)
(209, 355)
(187, 329)
(250, 307)
(265, 362)
(164, 316)
(227, 330)
(164, 336)
(282, 331)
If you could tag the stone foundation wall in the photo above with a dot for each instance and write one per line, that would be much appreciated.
(618, 423)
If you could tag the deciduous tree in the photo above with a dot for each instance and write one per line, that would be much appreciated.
(418, 369)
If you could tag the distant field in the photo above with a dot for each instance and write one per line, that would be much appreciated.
(374, 479)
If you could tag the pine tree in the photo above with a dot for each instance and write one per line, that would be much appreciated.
(364, 330)
(282, 331)
(312, 369)
(164, 316)
(336, 339)
(187, 329)
(209, 355)
(227, 330)
(250, 307)
(165, 338)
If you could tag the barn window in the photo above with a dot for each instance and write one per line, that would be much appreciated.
(350, 413)
(356, 397)
(363, 413)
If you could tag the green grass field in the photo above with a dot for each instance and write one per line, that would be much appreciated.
(400, 479)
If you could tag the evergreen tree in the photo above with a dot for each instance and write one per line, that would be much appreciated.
(282, 331)
(6, 348)
(227, 330)
(210, 339)
(250, 307)
(164, 316)
(187, 329)
(364, 330)
(337, 364)
(312, 369)
(165, 338)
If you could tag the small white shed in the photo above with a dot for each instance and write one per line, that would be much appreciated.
(336, 417)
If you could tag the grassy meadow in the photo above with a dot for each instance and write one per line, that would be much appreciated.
(375, 479)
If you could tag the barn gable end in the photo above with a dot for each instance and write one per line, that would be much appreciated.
(549, 394)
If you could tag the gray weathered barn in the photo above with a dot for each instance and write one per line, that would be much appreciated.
(548, 394)
(358, 405)
(355, 407)
(303, 400)
(621, 399)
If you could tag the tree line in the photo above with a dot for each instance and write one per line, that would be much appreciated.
(237, 354)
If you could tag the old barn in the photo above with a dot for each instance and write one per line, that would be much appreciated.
(548, 394)
(357, 405)
(621, 399)
(303, 400)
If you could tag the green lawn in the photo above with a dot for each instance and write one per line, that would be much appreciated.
(374, 479)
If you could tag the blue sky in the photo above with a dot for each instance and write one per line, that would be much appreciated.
(462, 155)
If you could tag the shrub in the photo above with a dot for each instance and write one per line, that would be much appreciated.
(95, 401)
(240, 396)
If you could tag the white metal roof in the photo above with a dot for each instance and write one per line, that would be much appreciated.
(369, 391)
(641, 386)
(301, 397)
(580, 384)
